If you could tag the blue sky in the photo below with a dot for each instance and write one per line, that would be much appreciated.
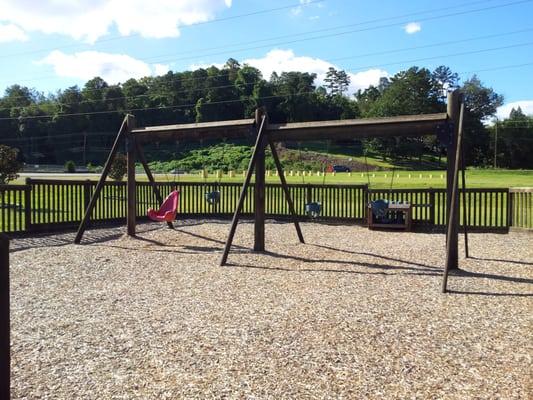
(50, 45)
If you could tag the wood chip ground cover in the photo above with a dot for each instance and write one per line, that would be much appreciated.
(350, 314)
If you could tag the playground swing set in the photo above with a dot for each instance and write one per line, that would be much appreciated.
(447, 126)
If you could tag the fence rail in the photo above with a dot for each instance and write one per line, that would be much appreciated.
(45, 204)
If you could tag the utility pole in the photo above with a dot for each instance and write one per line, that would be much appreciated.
(496, 143)
(84, 148)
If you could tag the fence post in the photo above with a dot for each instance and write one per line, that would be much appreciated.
(510, 206)
(432, 206)
(5, 360)
(309, 194)
(87, 193)
(366, 200)
(27, 205)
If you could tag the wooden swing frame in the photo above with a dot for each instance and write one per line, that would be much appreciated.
(266, 135)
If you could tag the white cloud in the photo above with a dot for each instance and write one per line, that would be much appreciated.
(113, 68)
(285, 60)
(91, 19)
(295, 11)
(412, 27)
(362, 80)
(12, 33)
(526, 106)
(161, 69)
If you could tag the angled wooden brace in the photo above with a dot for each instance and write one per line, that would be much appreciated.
(94, 198)
(288, 197)
(258, 143)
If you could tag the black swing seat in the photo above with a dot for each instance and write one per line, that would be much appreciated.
(313, 209)
(212, 197)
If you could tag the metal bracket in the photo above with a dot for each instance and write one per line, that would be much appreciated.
(445, 133)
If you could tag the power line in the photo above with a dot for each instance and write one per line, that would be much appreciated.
(336, 34)
(331, 60)
(62, 136)
(326, 29)
(447, 55)
(233, 17)
(496, 68)
(345, 32)
(237, 100)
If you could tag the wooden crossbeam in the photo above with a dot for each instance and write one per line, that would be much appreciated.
(406, 125)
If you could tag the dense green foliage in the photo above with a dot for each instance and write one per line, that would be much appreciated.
(70, 166)
(233, 92)
(9, 164)
(118, 168)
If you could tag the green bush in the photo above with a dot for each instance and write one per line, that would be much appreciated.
(70, 166)
(9, 164)
(118, 168)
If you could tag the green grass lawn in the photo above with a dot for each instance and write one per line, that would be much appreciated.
(475, 178)
(402, 179)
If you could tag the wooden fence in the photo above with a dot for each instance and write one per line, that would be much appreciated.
(521, 210)
(44, 204)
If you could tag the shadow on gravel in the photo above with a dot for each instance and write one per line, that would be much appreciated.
(502, 260)
(469, 274)
(490, 293)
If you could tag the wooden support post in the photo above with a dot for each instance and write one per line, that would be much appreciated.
(5, 357)
(452, 227)
(157, 193)
(288, 197)
(110, 158)
(131, 212)
(510, 209)
(466, 205)
(27, 205)
(432, 206)
(249, 173)
(454, 104)
(259, 186)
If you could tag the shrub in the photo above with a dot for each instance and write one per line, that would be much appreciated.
(9, 164)
(118, 168)
(70, 166)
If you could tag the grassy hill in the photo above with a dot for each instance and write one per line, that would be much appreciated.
(311, 156)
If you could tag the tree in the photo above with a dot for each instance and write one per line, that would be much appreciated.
(445, 80)
(408, 92)
(70, 166)
(119, 167)
(296, 101)
(480, 103)
(9, 164)
(515, 140)
(337, 82)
